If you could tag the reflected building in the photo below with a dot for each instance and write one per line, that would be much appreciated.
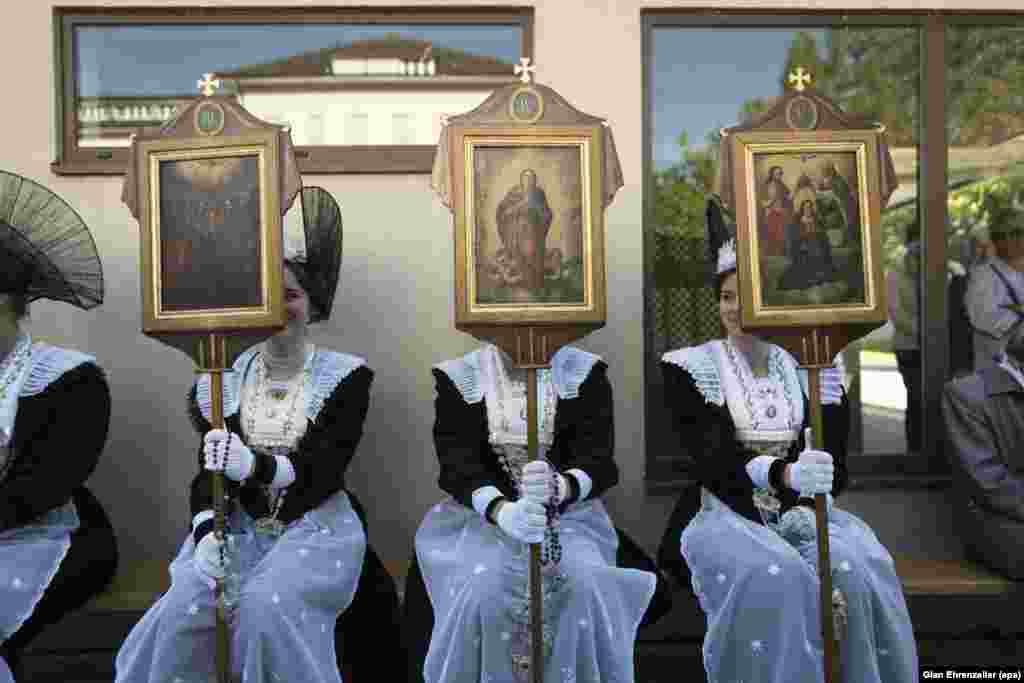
(388, 91)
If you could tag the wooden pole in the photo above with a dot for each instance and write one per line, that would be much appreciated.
(213, 355)
(821, 515)
(536, 605)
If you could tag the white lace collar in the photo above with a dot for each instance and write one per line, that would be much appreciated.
(325, 370)
(764, 409)
(505, 392)
(13, 372)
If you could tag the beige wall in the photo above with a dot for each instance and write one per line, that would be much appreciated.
(395, 299)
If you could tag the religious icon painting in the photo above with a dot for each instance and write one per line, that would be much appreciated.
(807, 211)
(211, 248)
(529, 239)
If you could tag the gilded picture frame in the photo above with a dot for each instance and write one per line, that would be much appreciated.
(211, 242)
(808, 227)
(529, 225)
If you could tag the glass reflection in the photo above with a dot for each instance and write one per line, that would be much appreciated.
(870, 72)
(333, 84)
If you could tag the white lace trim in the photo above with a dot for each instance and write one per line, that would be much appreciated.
(832, 380)
(761, 418)
(570, 367)
(507, 401)
(329, 369)
(698, 361)
(48, 364)
(464, 372)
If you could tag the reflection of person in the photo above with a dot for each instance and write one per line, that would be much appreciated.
(904, 300)
(984, 415)
(471, 549)
(808, 249)
(996, 284)
(748, 534)
(977, 249)
(298, 551)
(524, 218)
(57, 547)
(777, 209)
(213, 221)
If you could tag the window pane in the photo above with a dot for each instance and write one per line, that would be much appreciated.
(871, 72)
(985, 123)
(310, 76)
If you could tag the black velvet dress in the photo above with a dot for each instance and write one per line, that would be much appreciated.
(583, 439)
(717, 461)
(368, 635)
(58, 436)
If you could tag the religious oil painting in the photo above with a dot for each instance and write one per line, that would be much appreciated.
(807, 220)
(212, 232)
(528, 225)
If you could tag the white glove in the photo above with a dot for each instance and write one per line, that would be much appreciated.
(812, 473)
(225, 452)
(537, 482)
(523, 520)
(208, 556)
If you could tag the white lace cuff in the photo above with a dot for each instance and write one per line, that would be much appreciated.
(200, 518)
(284, 476)
(585, 482)
(757, 470)
(483, 497)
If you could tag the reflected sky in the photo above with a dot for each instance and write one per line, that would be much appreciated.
(702, 77)
(167, 60)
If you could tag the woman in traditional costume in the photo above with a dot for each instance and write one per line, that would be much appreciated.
(57, 548)
(297, 547)
(747, 534)
(472, 550)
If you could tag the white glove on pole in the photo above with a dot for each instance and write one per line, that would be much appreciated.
(523, 520)
(225, 452)
(207, 557)
(537, 482)
(813, 472)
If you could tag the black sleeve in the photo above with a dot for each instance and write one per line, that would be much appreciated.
(329, 445)
(460, 438)
(62, 448)
(592, 440)
(706, 436)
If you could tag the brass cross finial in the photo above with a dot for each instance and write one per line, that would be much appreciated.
(799, 79)
(525, 70)
(208, 84)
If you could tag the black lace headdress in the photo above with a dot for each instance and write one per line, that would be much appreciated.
(46, 250)
(319, 267)
(720, 228)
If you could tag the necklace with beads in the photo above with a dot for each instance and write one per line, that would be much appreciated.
(271, 420)
(761, 395)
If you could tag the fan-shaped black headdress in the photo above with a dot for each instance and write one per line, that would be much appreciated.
(720, 227)
(318, 270)
(46, 250)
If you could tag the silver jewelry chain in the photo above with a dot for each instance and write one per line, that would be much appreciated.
(748, 385)
(279, 445)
